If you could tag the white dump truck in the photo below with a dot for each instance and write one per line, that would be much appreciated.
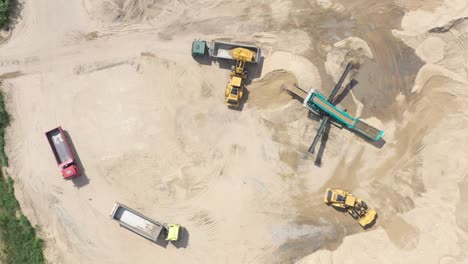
(223, 50)
(143, 225)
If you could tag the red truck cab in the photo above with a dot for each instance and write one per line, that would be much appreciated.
(63, 154)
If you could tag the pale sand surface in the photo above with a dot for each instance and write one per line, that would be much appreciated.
(151, 130)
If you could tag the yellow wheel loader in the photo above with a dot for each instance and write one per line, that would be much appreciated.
(238, 52)
(356, 207)
(235, 87)
(234, 91)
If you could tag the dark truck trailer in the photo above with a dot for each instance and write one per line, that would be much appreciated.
(64, 157)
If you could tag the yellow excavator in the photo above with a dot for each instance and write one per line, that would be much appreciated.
(235, 86)
(356, 207)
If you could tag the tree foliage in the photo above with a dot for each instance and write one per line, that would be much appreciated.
(5, 12)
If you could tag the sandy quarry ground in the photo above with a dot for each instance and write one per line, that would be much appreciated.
(151, 130)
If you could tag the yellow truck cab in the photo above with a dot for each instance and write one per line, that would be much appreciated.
(234, 92)
(173, 232)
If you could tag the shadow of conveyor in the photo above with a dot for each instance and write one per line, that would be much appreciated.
(323, 144)
(345, 92)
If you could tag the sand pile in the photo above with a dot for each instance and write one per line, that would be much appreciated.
(112, 11)
(426, 175)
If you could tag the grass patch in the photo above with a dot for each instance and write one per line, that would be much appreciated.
(4, 123)
(6, 7)
(17, 236)
(18, 240)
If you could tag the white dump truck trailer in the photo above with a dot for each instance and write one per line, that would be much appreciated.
(143, 225)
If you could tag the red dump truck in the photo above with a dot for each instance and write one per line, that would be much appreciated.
(62, 152)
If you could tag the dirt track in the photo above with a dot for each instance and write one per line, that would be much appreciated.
(150, 129)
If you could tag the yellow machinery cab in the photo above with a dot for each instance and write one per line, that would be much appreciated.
(236, 81)
(173, 232)
(234, 91)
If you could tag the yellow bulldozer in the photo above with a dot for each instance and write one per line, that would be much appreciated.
(235, 86)
(356, 207)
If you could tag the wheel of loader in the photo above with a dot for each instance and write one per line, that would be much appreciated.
(364, 205)
(354, 214)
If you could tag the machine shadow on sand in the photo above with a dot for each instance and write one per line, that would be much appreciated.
(183, 240)
(254, 69)
(181, 243)
(82, 180)
(160, 241)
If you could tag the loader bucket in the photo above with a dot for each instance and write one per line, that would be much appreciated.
(242, 54)
(368, 218)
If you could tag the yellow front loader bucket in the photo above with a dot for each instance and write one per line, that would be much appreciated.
(368, 218)
(242, 54)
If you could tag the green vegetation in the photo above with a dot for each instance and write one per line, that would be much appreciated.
(19, 243)
(18, 240)
(4, 122)
(5, 11)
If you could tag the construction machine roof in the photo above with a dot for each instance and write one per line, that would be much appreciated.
(236, 81)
